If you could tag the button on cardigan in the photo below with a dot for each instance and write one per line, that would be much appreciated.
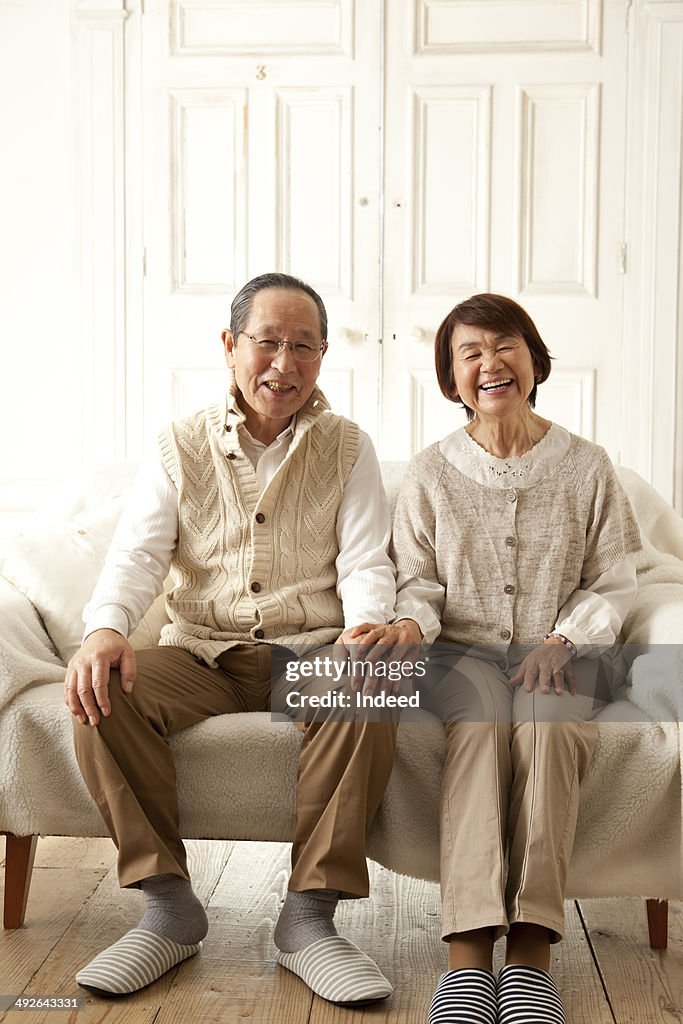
(572, 525)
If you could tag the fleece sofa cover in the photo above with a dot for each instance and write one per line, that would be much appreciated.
(236, 773)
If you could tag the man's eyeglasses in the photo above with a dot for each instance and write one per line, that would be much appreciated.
(303, 351)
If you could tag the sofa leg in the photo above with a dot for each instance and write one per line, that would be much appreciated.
(20, 852)
(657, 922)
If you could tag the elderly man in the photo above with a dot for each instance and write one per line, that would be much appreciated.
(270, 511)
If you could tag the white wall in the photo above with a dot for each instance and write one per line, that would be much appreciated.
(61, 387)
(39, 364)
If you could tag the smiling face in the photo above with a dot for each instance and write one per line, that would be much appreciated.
(272, 388)
(493, 373)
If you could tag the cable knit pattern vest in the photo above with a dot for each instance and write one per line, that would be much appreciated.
(251, 566)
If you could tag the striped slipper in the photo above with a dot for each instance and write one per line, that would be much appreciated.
(136, 960)
(338, 971)
(530, 995)
(465, 996)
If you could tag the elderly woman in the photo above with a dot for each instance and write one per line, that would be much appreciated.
(514, 543)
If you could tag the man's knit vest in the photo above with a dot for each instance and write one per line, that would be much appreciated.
(252, 566)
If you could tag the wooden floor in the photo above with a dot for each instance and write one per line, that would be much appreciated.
(605, 968)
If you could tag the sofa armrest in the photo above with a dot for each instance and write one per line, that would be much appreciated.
(19, 617)
(27, 655)
(656, 616)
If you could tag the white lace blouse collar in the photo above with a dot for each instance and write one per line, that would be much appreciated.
(519, 471)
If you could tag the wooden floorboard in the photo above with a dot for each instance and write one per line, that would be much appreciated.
(645, 986)
(76, 908)
(237, 977)
(57, 852)
(573, 966)
(399, 927)
(56, 897)
(94, 921)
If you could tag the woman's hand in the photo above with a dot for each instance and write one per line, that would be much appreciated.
(378, 642)
(404, 631)
(548, 665)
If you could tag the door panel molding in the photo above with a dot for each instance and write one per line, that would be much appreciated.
(232, 29)
(209, 189)
(314, 173)
(507, 26)
(502, 245)
(653, 372)
(98, 67)
(451, 143)
(558, 175)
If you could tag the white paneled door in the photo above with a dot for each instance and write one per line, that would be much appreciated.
(262, 152)
(400, 155)
(505, 173)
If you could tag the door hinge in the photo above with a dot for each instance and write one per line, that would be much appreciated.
(144, 262)
(623, 258)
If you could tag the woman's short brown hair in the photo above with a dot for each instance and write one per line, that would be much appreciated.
(492, 313)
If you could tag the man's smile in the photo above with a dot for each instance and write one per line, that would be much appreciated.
(280, 387)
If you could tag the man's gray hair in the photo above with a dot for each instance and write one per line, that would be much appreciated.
(242, 303)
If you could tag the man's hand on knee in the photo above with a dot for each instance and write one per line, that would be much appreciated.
(86, 687)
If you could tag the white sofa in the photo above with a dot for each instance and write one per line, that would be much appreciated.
(236, 773)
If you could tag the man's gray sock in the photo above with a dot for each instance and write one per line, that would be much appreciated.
(173, 910)
(305, 918)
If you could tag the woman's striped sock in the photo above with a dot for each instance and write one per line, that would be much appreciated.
(464, 996)
(528, 995)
